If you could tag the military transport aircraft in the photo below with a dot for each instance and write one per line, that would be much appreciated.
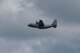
(41, 25)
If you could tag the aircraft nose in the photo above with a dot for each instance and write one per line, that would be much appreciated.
(28, 24)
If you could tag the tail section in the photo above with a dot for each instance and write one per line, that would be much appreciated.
(54, 24)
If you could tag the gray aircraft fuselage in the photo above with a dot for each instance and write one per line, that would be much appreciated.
(37, 26)
(41, 25)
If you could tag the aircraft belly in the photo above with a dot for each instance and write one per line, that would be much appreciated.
(45, 27)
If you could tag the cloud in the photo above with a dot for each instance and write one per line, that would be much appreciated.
(31, 46)
(16, 37)
(67, 10)
(10, 5)
(39, 45)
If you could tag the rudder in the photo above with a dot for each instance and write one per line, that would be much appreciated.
(54, 24)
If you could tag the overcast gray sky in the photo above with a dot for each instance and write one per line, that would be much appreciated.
(16, 37)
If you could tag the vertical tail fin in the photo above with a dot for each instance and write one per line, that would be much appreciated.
(54, 24)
